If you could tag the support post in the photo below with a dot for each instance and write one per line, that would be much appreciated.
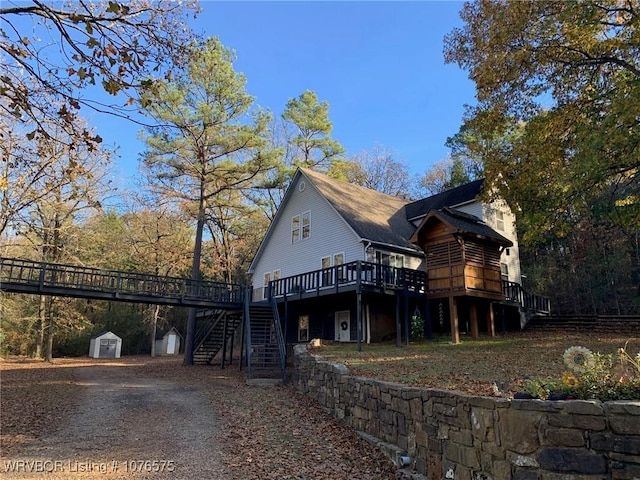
(407, 332)
(453, 313)
(473, 314)
(224, 341)
(359, 305)
(398, 323)
(233, 339)
(242, 349)
(428, 319)
(490, 320)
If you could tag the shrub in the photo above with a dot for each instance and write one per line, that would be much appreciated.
(590, 376)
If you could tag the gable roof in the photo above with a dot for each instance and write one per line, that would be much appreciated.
(373, 216)
(463, 223)
(161, 333)
(105, 332)
(449, 198)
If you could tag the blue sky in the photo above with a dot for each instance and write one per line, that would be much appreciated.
(379, 65)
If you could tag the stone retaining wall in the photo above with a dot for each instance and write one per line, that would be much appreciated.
(449, 435)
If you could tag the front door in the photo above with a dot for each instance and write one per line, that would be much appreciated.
(343, 326)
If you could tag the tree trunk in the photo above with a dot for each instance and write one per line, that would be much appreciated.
(48, 354)
(155, 313)
(42, 303)
(195, 275)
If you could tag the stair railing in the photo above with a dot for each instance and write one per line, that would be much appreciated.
(282, 347)
(530, 302)
(247, 332)
(202, 333)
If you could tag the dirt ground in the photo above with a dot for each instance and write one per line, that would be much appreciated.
(146, 417)
(154, 418)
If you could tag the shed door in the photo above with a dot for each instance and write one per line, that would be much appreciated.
(108, 348)
(343, 326)
(171, 344)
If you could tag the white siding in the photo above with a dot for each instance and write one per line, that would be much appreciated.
(329, 235)
(472, 208)
(511, 255)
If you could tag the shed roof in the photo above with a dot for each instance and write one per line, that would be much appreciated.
(165, 331)
(105, 332)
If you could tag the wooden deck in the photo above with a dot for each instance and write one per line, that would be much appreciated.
(354, 276)
(26, 276)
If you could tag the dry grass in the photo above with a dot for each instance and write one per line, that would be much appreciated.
(473, 365)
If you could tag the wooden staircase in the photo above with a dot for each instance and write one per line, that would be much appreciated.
(216, 328)
(265, 342)
(528, 304)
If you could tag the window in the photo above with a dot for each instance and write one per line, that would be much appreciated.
(265, 289)
(326, 271)
(295, 229)
(338, 259)
(303, 328)
(277, 287)
(306, 225)
(504, 269)
(389, 259)
(300, 227)
(268, 277)
(500, 220)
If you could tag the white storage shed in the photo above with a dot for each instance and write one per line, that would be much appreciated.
(105, 345)
(169, 343)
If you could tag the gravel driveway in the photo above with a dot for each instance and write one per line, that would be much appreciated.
(154, 418)
(129, 425)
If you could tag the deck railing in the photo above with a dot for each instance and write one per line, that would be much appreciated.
(28, 276)
(333, 278)
(530, 302)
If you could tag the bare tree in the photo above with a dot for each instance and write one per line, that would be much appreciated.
(57, 50)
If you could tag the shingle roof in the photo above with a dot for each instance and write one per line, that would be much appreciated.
(374, 216)
(448, 198)
(464, 223)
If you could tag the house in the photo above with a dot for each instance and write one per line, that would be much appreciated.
(105, 345)
(347, 263)
(168, 342)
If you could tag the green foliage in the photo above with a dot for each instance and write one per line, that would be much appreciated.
(592, 376)
(310, 118)
(557, 131)
(611, 377)
(417, 327)
(556, 126)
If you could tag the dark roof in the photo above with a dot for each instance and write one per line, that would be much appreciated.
(449, 198)
(160, 333)
(102, 333)
(374, 216)
(464, 223)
